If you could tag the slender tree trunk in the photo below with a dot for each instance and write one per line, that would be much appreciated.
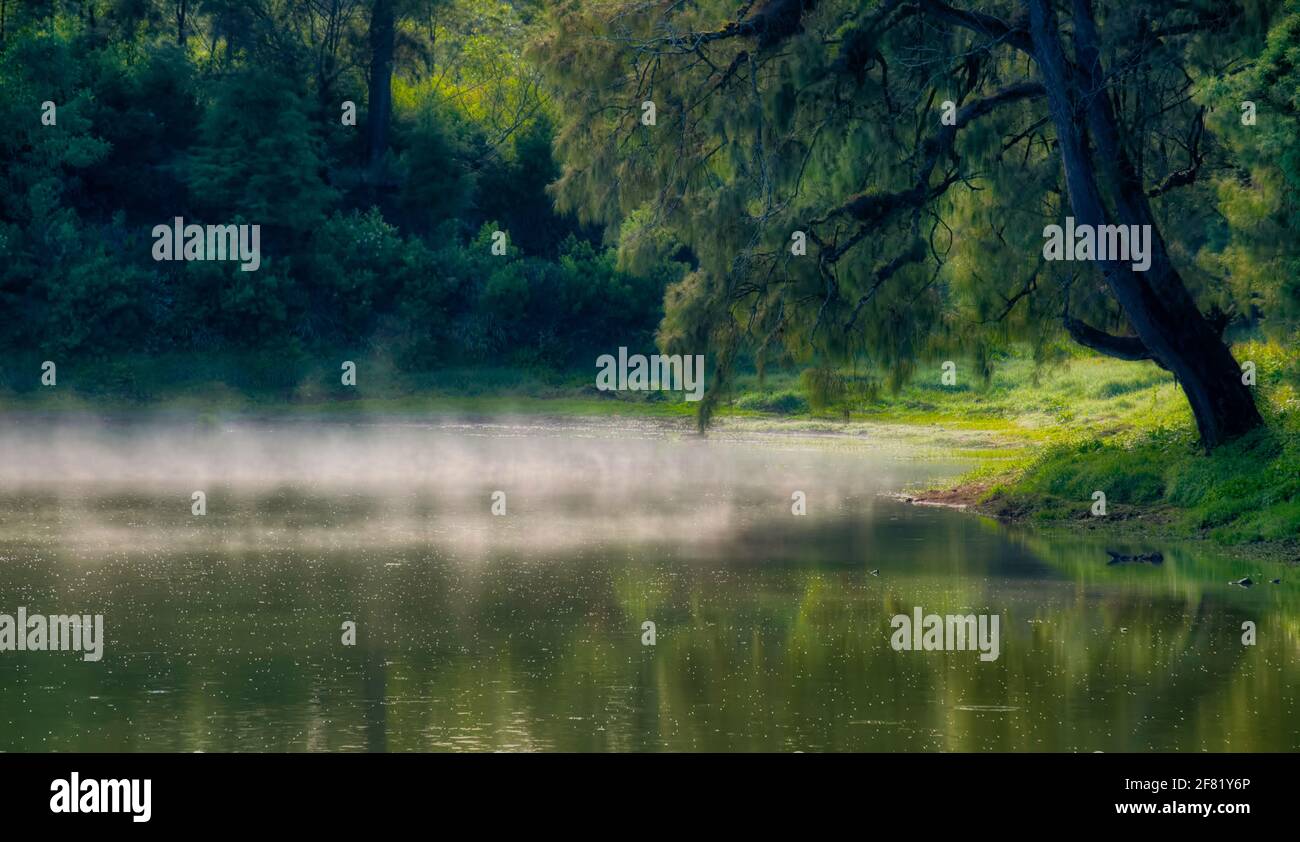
(180, 23)
(381, 80)
(1157, 303)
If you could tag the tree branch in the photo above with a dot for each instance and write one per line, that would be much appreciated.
(870, 208)
(1029, 286)
(1016, 34)
(773, 23)
(1121, 347)
(1187, 175)
(885, 272)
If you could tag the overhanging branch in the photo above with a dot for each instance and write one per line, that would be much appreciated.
(1121, 347)
(885, 272)
(870, 208)
(1016, 34)
(774, 22)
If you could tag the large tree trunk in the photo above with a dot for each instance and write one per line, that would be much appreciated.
(381, 81)
(1156, 302)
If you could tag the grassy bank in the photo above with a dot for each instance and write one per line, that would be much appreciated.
(1124, 429)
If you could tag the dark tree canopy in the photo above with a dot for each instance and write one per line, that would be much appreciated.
(375, 232)
(925, 235)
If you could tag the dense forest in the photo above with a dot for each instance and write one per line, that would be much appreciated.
(375, 231)
(852, 189)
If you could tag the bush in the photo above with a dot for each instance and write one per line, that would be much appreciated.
(824, 387)
(780, 403)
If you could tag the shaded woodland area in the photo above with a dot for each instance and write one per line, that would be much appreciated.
(375, 235)
(824, 117)
(818, 119)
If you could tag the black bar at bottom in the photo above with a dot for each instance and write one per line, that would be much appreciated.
(332, 791)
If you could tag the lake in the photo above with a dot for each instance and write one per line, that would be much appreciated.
(524, 631)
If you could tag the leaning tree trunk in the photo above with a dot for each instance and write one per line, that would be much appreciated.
(381, 82)
(1156, 302)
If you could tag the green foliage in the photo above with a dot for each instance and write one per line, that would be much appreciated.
(1260, 199)
(258, 156)
(236, 119)
(1150, 462)
(436, 185)
(1246, 491)
(824, 119)
(780, 403)
(824, 387)
(358, 263)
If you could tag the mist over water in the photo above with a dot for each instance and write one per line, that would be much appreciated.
(387, 483)
(524, 631)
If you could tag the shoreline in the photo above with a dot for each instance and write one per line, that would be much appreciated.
(992, 452)
(1150, 524)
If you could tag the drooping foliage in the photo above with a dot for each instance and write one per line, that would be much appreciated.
(1259, 199)
(913, 145)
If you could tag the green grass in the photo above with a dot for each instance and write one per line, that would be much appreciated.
(1246, 491)
(787, 402)
(1038, 401)
(1149, 464)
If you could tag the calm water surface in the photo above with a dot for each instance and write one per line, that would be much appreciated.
(523, 632)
